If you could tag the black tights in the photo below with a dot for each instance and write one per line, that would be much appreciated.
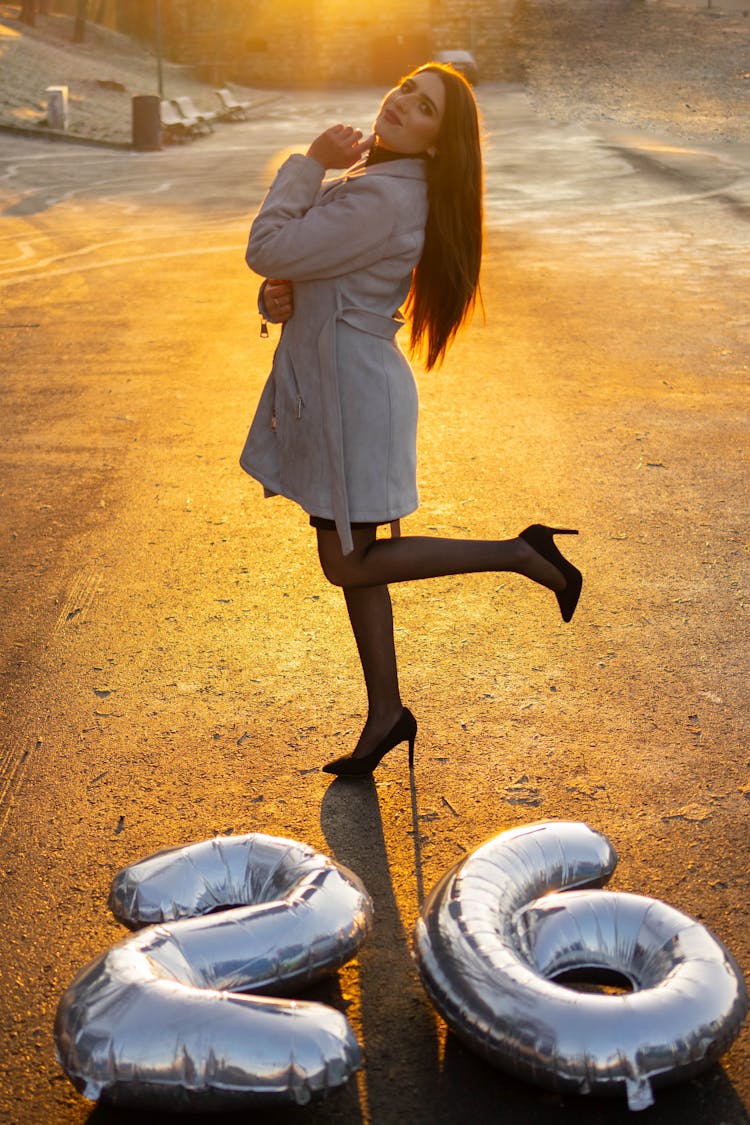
(365, 574)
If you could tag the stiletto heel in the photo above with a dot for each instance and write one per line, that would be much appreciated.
(404, 730)
(541, 539)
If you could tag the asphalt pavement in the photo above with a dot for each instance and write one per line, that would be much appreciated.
(174, 665)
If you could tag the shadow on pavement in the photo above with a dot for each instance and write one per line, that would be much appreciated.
(406, 1078)
(408, 1074)
(465, 1077)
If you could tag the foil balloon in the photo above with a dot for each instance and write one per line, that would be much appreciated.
(506, 926)
(159, 1020)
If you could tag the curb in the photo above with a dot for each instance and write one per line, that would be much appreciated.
(40, 133)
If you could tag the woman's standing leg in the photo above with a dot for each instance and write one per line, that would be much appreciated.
(371, 619)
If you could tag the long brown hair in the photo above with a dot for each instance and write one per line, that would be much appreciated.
(445, 284)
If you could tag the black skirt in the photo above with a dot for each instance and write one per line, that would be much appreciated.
(323, 524)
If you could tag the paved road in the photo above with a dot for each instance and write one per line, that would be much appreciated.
(174, 666)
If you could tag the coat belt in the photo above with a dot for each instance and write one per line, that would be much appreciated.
(374, 324)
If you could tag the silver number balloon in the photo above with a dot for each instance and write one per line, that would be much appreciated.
(494, 934)
(156, 1020)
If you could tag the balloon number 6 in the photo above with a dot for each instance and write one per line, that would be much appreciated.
(495, 941)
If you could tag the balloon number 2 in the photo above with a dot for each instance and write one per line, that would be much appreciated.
(157, 1021)
(160, 1019)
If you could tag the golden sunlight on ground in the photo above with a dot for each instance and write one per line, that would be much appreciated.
(271, 167)
(180, 668)
(657, 147)
(26, 113)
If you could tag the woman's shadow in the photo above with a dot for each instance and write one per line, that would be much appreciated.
(398, 1029)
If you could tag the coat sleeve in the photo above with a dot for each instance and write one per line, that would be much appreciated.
(294, 239)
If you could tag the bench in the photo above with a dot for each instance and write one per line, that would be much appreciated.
(198, 118)
(174, 127)
(232, 110)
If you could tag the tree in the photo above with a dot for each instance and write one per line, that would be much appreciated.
(28, 12)
(79, 28)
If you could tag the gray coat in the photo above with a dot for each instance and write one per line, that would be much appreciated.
(335, 429)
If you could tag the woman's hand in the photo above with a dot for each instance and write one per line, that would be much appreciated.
(278, 300)
(339, 147)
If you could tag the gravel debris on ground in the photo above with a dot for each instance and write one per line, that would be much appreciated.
(669, 67)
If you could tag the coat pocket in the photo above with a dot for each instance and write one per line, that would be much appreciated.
(289, 402)
(298, 432)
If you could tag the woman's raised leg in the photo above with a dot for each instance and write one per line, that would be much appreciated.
(379, 562)
(365, 574)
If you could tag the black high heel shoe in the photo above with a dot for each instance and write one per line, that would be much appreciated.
(404, 730)
(541, 538)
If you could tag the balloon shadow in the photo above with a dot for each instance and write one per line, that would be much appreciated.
(707, 1097)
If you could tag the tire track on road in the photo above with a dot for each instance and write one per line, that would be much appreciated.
(14, 762)
(81, 596)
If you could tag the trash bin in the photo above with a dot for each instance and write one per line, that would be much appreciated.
(146, 122)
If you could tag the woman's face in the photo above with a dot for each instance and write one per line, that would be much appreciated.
(410, 117)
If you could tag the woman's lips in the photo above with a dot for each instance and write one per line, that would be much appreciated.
(391, 117)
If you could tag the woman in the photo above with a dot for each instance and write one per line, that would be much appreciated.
(335, 429)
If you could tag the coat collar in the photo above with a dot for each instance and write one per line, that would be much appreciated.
(410, 168)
